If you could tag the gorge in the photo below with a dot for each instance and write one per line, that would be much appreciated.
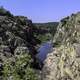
(39, 51)
(20, 40)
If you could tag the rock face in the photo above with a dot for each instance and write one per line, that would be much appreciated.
(16, 31)
(17, 35)
(64, 62)
(17, 42)
(68, 30)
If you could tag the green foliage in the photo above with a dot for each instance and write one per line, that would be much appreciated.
(46, 30)
(45, 37)
(4, 12)
(51, 26)
(18, 68)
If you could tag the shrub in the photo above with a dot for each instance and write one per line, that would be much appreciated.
(4, 12)
(18, 68)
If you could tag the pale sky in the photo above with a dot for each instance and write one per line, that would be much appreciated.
(42, 10)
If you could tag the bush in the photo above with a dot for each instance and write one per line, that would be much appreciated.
(4, 12)
(18, 68)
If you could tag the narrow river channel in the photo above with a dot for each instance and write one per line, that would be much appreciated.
(44, 49)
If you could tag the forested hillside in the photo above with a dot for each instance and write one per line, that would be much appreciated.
(50, 26)
(46, 30)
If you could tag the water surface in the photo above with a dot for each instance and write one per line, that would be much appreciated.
(44, 50)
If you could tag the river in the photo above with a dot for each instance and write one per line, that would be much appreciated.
(44, 49)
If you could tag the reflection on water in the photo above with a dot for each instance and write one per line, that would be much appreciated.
(44, 50)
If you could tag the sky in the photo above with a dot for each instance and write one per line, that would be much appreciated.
(42, 10)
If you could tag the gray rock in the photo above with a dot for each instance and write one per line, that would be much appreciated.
(5, 50)
(20, 50)
(77, 48)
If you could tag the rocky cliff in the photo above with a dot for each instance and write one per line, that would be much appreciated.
(16, 32)
(64, 62)
(17, 43)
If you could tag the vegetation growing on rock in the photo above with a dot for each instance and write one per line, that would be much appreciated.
(64, 62)
(18, 68)
(17, 47)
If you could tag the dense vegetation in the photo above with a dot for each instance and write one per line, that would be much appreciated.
(4, 12)
(18, 68)
(18, 44)
(50, 26)
(19, 40)
(47, 30)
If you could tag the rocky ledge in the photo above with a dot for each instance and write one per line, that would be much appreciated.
(64, 62)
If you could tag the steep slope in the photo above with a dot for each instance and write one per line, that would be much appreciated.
(64, 62)
(17, 47)
(17, 31)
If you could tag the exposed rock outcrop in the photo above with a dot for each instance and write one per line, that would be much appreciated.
(64, 62)
(17, 31)
(18, 44)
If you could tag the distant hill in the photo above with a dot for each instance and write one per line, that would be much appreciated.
(50, 26)
(46, 30)
(46, 25)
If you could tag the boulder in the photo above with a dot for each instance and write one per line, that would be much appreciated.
(20, 50)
